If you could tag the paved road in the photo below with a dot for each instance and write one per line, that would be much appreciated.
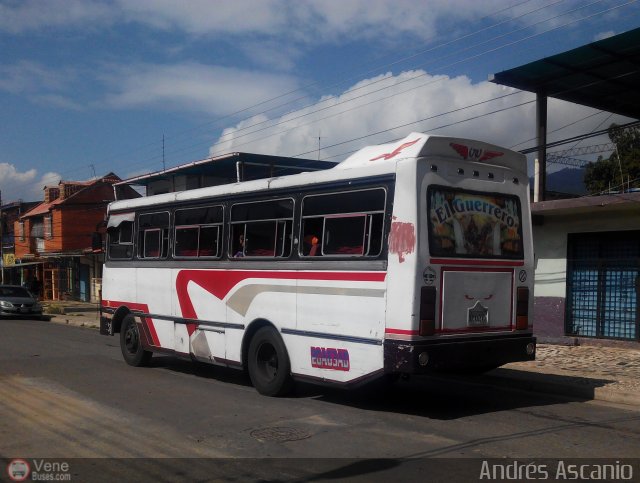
(66, 393)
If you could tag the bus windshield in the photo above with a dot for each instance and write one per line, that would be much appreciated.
(473, 224)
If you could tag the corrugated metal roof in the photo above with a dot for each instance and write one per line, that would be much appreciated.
(588, 204)
(254, 166)
(604, 75)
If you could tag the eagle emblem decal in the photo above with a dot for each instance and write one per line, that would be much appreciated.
(474, 154)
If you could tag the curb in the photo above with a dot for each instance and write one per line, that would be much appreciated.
(72, 320)
(564, 385)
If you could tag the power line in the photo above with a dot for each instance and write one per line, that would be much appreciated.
(579, 137)
(422, 120)
(368, 85)
(527, 38)
(377, 68)
(520, 40)
(500, 36)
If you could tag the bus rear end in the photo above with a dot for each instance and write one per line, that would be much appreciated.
(469, 280)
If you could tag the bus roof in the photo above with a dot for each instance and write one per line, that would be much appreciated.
(417, 145)
(367, 162)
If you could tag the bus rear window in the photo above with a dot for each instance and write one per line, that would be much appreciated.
(474, 225)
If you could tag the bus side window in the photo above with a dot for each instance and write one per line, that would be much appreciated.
(186, 241)
(197, 232)
(208, 243)
(373, 234)
(121, 241)
(261, 229)
(152, 242)
(344, 235)
(237, 240)
(312, 236)
(348, 223)
(153, 238)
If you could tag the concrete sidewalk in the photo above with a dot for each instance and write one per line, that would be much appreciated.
(585, 372)
(81, 314)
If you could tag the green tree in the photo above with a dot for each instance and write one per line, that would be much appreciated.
(606, 174)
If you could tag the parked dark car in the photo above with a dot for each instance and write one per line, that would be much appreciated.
(18, 302)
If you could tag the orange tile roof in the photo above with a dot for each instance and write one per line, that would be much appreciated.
(41, 209)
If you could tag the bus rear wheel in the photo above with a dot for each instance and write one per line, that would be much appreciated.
(268, 363)
(131, 345)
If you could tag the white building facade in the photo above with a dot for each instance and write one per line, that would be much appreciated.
(587, 253)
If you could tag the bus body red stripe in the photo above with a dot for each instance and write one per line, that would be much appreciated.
(401, 331)
(144, 308)
(220, 282)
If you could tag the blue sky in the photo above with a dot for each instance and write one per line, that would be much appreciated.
(93, 85)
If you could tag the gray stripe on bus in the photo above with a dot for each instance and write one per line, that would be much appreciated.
(243, 297)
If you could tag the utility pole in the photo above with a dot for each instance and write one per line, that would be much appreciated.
(620, 166)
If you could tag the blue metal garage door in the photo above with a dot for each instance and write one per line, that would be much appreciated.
(603, 277)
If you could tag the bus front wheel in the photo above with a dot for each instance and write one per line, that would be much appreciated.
(131, 345)
(268, 362)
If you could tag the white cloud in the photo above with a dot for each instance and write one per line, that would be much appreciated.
(40, 84)
(604, 35)
(27, 77)
(25, 185)
(197, 87)
(200, 17)
(186, 86)
(397, 115)
(57, 101)
(275, 56)
(418, 96)
(304, 21)
(33, 15)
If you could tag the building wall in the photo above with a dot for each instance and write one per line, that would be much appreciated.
(23, 248)
(550, 247)
(74, 226)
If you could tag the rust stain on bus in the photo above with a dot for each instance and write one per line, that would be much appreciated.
(402, 239)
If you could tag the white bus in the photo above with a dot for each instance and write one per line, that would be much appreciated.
(405, 258)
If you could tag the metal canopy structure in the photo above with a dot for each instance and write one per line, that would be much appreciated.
(228, 168)
(604, 75)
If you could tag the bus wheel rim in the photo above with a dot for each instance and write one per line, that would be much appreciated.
(131, 339)
(267, 361)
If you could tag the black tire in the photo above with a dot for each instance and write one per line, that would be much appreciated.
(268, 363)
(131, 345)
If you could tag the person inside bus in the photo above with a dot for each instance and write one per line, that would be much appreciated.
(240, 252)
(311, 245)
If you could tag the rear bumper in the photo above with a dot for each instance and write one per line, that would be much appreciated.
(479, 353)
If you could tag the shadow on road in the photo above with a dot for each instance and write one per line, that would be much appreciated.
(199, 369)
(438, 397)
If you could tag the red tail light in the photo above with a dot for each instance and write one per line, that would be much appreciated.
(522, 308)
(427, 311)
